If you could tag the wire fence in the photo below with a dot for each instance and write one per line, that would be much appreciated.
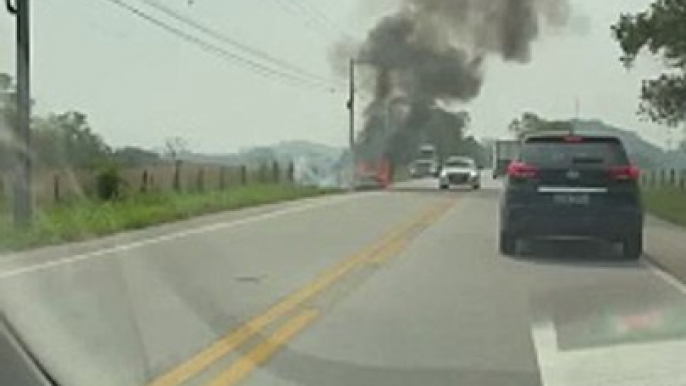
(664, 178)
(54, 186)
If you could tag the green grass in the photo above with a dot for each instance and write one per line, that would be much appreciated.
(667, 203)
(84, 219)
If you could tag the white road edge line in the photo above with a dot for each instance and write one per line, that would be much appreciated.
(664, 275)
(544, 337)
(169, 237)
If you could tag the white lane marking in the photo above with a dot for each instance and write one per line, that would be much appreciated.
(169, 237)
(545, 342)
(664, 275)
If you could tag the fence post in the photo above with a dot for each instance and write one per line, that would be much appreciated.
(201, 180)
(276, 172)
(244, 175)
(291, 172)
(144, 181)
(177, 176)
(56, 188)
(682, 180)
(222, 177)
(672, 178)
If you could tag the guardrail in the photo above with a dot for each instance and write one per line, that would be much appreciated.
(664, 178)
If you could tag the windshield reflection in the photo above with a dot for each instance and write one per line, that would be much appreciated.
(622, 334)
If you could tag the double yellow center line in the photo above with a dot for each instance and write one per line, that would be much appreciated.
(377, 253)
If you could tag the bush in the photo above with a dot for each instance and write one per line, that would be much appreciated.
(109, 183)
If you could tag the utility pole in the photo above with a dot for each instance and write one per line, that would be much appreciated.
(22, 193)
(351, 109)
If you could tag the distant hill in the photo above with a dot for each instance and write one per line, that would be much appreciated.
(299, 148)
(284, 152)
(643, 153)
(305, 152)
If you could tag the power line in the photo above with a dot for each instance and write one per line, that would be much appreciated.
(320, 16)
(298, 11)
(241, 46)
(250, 64)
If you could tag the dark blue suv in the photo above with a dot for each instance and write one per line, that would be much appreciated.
(569, 185)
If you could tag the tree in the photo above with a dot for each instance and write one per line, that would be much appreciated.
(67, 140)
(530, 122)
(175, 146)
(472, 148)
(58, 140)
(661, 30)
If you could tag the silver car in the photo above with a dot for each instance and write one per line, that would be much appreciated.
(459, 171)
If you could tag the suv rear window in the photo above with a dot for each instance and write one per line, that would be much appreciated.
(581, 152)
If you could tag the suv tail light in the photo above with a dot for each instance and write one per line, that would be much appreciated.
(519, 169)
(631, 173)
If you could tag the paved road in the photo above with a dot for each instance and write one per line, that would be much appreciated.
(386, 288)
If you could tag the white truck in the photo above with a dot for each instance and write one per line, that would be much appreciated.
(504, 152)
(426, 165)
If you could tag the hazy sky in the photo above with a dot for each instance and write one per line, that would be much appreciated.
(140, 85)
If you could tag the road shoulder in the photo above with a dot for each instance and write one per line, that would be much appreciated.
(160, 233)
(666, 246)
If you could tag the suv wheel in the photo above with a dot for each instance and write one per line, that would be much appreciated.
(633, 247)
(444, 187)
(508, 243)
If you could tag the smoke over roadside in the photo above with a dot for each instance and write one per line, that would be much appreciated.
(433, 51)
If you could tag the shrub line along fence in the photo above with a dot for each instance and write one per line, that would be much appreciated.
(53, 186)
(664, 178)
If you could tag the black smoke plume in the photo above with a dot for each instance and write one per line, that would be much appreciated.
(432, 52)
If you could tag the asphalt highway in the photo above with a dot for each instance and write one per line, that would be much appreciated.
(400, 287)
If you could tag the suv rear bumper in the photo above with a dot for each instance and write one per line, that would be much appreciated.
(601, 223)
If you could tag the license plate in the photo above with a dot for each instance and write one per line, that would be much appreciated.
(572, 199)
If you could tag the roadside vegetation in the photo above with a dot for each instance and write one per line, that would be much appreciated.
(83, 219)
(84, 188)
(666, 203)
